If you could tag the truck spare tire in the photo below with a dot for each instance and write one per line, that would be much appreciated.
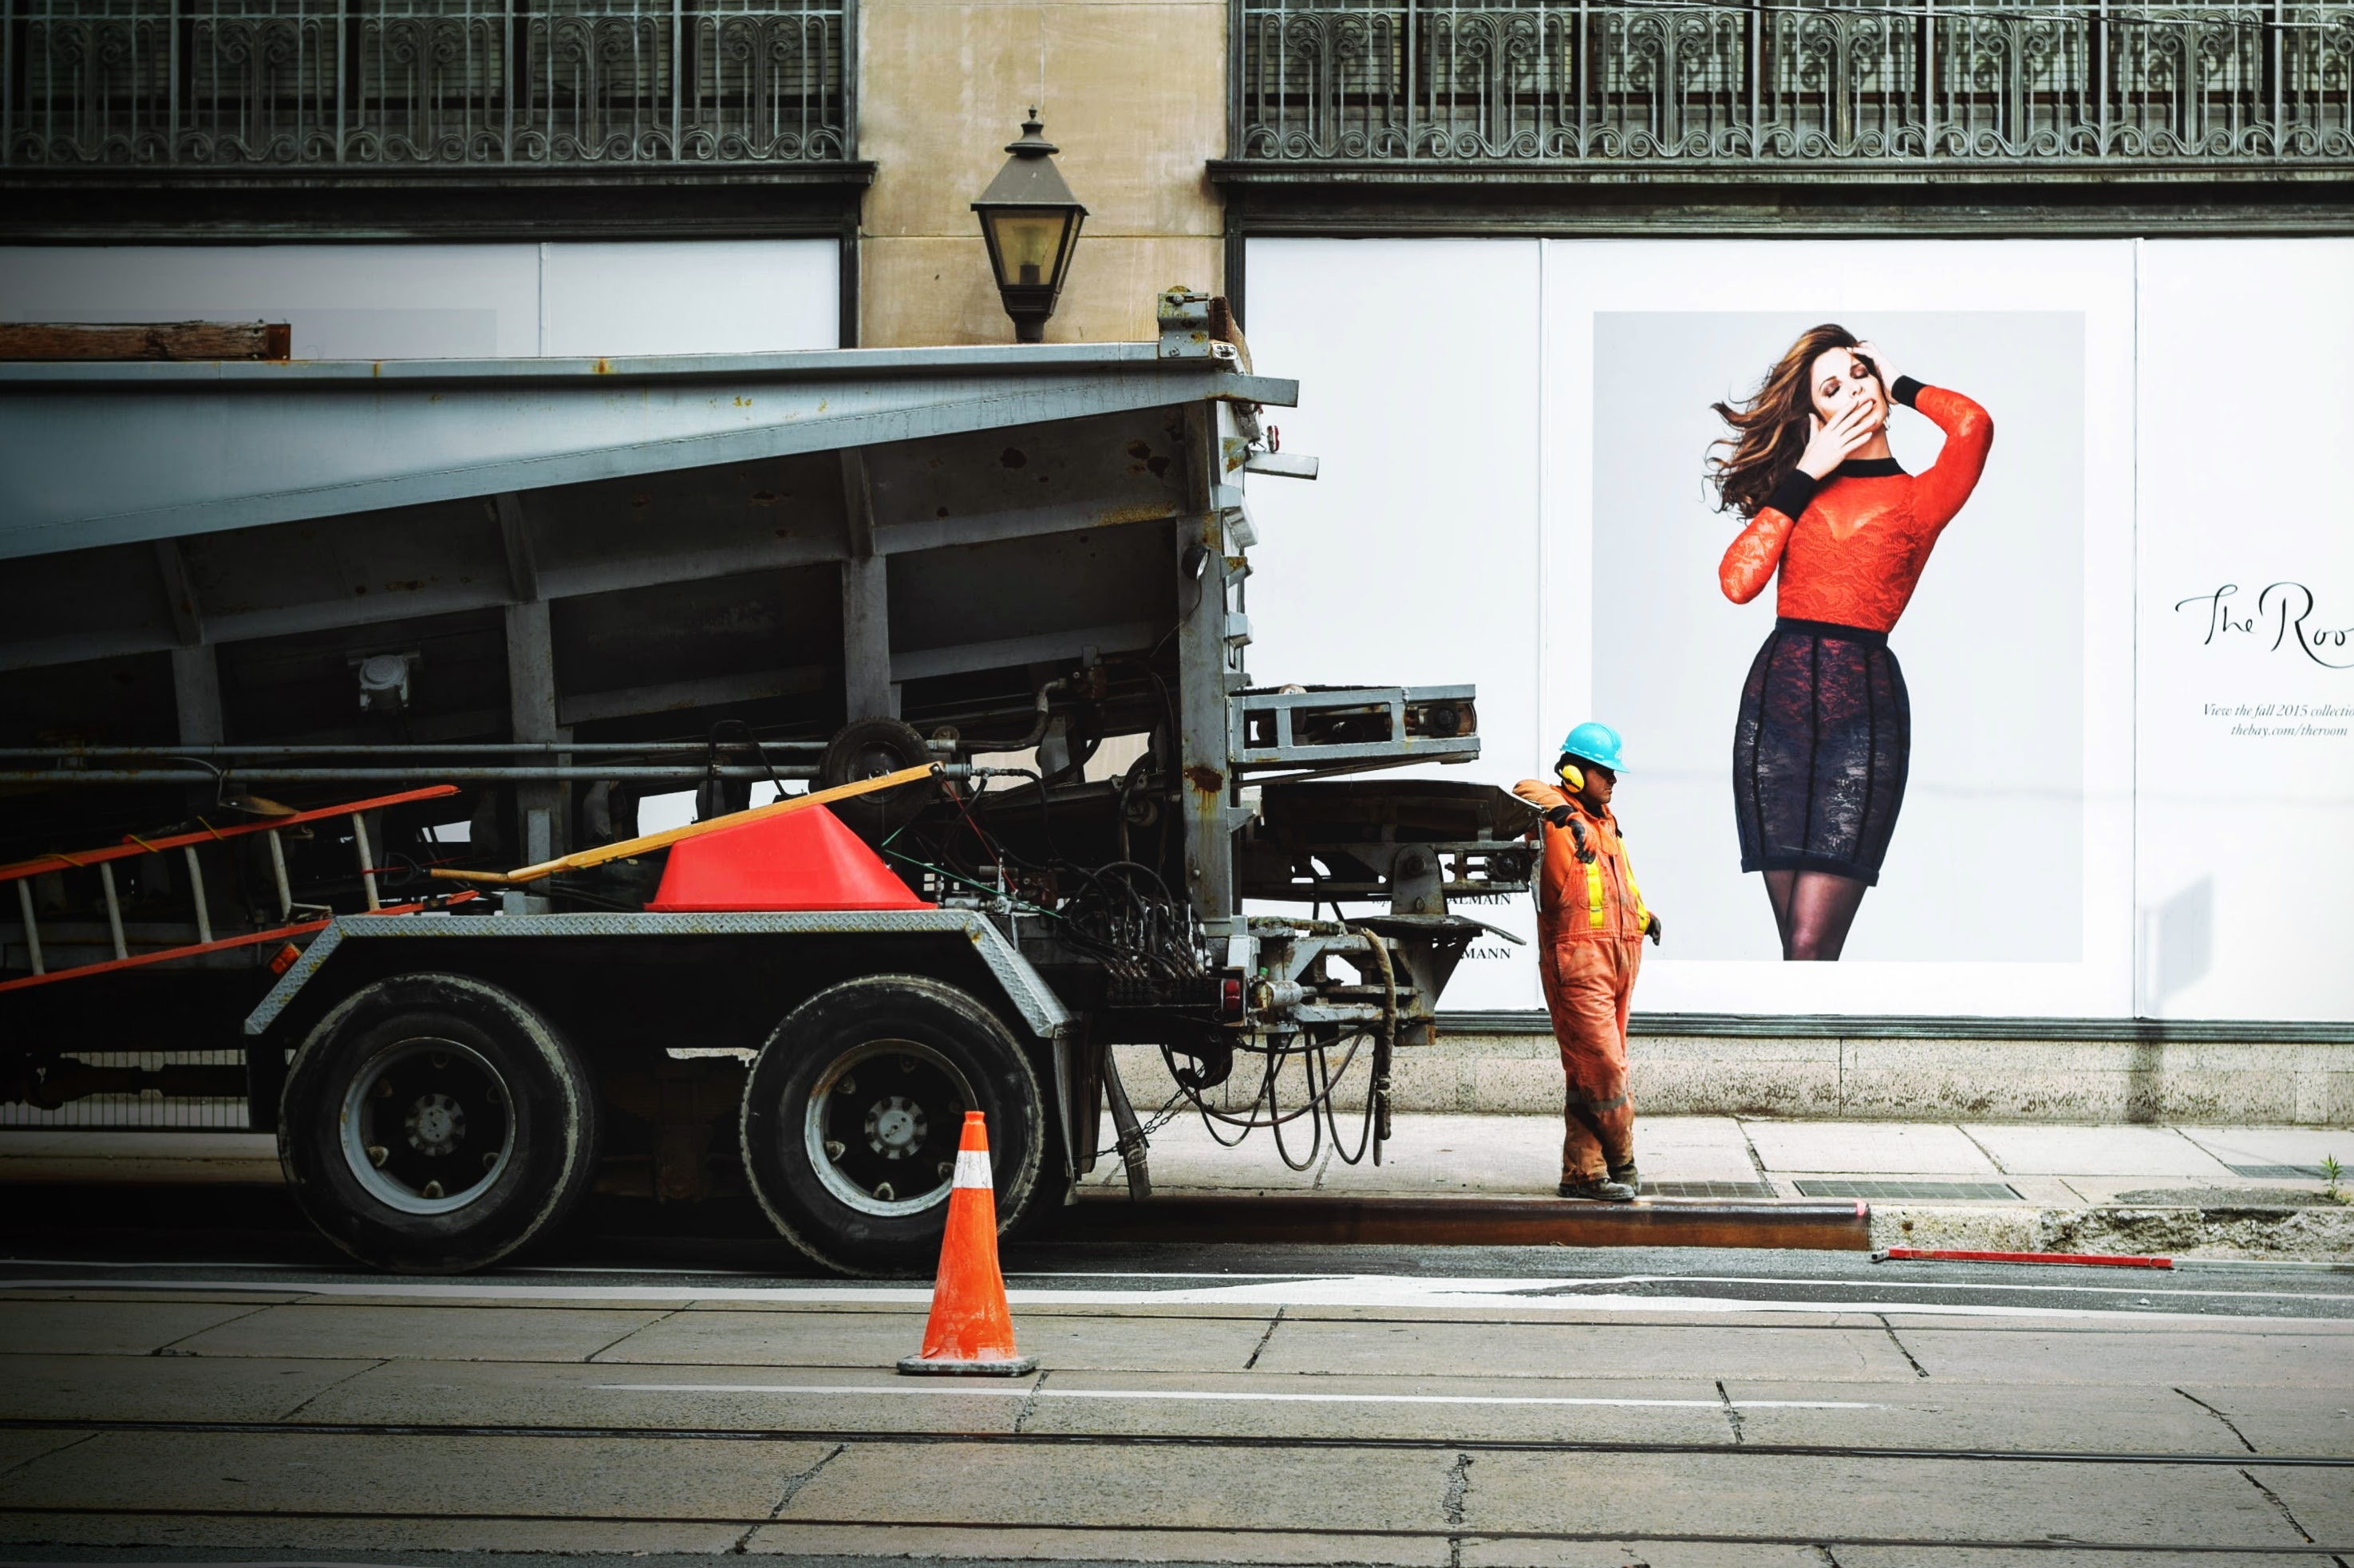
(867, 748)
(434, 1123)
(853, 1113)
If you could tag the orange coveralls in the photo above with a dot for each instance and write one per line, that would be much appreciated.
(1590, 926)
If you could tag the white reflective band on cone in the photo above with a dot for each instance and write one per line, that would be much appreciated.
(973, 1168)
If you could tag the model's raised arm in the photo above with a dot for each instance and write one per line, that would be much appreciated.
(1749, 562)
(1969, 436)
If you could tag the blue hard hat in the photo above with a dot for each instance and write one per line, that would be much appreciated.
(1595, 743)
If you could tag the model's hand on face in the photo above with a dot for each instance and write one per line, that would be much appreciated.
(1879, 363)
(1829, 445)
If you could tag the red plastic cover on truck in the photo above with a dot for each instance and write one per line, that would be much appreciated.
(797, 860)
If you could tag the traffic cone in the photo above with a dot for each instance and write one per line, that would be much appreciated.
(970, 1331)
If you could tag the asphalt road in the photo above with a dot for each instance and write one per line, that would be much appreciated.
(245, 1397)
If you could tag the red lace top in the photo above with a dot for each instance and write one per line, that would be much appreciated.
(1850, 548)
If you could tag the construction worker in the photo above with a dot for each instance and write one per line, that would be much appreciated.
(1590, 928)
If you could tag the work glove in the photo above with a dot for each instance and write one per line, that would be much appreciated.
(1652, 930)
(1560, 816)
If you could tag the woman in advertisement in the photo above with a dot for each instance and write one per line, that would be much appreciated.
(1825, 735)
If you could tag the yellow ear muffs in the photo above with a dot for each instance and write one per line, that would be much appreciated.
(1572, 776)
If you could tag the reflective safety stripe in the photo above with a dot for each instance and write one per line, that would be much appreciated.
(1594, 892)
(1642, 915)
(973, 1168)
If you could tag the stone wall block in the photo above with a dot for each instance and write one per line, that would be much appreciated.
(1983, 1091)
(942, 87)
(1137, 101)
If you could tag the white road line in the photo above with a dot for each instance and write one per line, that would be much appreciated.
(1363, 1291)
(1022, 1391)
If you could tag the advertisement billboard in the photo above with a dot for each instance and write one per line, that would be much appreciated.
(2027, 796)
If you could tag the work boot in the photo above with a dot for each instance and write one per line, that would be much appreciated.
(1627, 1176)
(1600, 1189)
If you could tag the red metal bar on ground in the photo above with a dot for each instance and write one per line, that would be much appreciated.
(137, 846)
(2084, 1259)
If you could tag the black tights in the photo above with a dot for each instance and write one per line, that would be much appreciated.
(1813, 910)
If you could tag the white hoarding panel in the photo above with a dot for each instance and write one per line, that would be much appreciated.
(453, 302)
(1412, 559)
(2007, 887)
(2246, 575)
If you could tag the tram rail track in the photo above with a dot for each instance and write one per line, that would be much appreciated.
(1452, 1534)
(1257, 1441)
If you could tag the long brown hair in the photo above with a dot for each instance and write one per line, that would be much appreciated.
(1769, 427)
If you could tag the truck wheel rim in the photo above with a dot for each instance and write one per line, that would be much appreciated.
(882, 1126)
(428, 1126)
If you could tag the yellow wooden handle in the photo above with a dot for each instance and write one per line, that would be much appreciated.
(670, 836)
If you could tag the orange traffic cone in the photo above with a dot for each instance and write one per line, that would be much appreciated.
(970, 1331)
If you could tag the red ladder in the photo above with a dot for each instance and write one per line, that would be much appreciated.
(22, 872)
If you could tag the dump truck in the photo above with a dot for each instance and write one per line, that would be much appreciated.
(331, 696)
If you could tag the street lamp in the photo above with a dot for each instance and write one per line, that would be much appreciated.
(1031, 221)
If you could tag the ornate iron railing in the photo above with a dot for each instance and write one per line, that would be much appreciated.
(303, 83)
(1908, 83)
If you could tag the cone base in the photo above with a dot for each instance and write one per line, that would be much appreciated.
(917, 1366)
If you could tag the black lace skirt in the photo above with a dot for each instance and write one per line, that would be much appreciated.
(1820, 751)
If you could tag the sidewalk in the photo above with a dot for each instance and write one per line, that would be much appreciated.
(2012, 1187)
(2005, 1186)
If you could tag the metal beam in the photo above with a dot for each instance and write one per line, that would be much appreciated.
(514, 539)
(195, 695)
(866, 666)
(674, 696)
(179, 593)
(921, 663)
(531, 702)
(1204, 781)
(324, 439)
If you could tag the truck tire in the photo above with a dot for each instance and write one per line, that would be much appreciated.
(867, 748)
(432, 1123)
(853, 1113)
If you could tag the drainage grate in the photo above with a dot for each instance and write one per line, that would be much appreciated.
(1707, 1189)
(1921, 1192)
(2278, 1172)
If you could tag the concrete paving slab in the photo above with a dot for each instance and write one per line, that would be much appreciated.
(166, 1388)
(2095, 1150)
(997, 1542)
(1818, 1499)
(1184, 1156)
(2281, 1356)
(2275, 1145)
(1206, 1489)
(427, 1478)
(1517, 1154)
(301, 1537)
(715, 1337)
(341, 1331)
(19, 1449)
(1947, 1415)
(1632, 1553)
(1858, 1148)
(1587, 1350)
(2283, 1420)
(2321, 1499)
(54, 1327)
(1950, 1557)
(243, 1159)
(2184, 1190)
(700, 1397)
(1693, 1148)
(1683, 1410)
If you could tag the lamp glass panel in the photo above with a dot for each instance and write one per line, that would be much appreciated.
(1029, 242)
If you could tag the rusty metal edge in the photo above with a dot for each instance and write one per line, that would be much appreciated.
(1844, 1226)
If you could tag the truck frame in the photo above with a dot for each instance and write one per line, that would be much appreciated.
(561, 586)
